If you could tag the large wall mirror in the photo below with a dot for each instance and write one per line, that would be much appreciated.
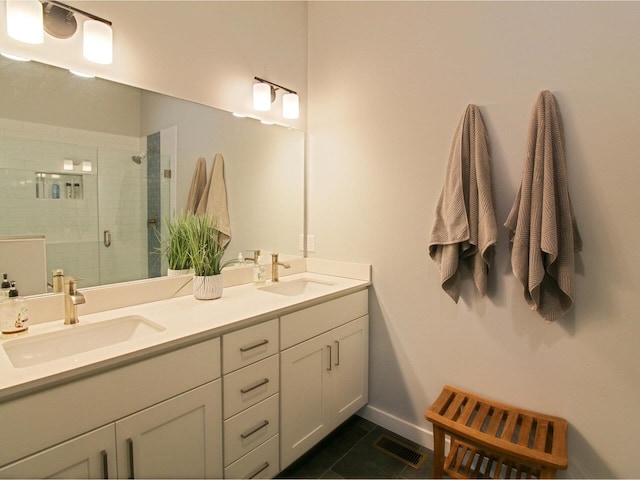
(95, 168)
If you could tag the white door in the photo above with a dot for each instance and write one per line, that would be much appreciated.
(350, 381)
(178, 438)
(92, 455)
(304, 397)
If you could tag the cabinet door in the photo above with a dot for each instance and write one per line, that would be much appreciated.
(178, 438)
(304, 397)
(92, 455)
(350, 373)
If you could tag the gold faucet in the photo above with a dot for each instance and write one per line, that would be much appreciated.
(274, 267)
(72, 298)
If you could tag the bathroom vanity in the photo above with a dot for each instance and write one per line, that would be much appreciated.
(238, 387)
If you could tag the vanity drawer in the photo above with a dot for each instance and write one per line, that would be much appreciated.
(250, 385)
(246, 346)
(247, 430)
(299, 326)
(262, 462)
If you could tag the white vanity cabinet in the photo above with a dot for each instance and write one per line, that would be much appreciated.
(164, 413)
(92, 455)
(178, 438)
(324, 371)
(251, 382)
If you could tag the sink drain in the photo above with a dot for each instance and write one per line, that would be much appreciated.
(400, 451)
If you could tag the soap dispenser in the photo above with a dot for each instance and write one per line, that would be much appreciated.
(259, 269)
(14, 314)
(5, 287)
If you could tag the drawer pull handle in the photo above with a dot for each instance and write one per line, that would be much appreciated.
(329, 356)
(251, 347)
(256, 429)
(253, 387)
(259, 471)
(105, 464)
(130, 448)
(337, 353)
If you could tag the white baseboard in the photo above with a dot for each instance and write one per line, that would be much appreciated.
(412, 432)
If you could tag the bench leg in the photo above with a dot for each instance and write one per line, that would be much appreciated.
(438, 452)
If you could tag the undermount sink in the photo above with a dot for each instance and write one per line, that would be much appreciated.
(299, 286)
(27, 351)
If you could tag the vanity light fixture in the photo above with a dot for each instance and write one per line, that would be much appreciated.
(87, 166)
(28, 19)
(264, 94)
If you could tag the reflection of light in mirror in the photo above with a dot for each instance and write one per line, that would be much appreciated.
(15, 57)
(82, 74)
(87, 166)
(68, 165)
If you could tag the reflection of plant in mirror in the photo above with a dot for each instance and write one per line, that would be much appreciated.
(175, 247)
(205, 250)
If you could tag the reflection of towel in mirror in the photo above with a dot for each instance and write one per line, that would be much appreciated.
(198, 182)
(543, 230)
(465, 225)
(214, 200)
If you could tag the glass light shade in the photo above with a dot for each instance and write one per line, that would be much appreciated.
(68, 165)
(24, 21)
(97, 43)
(290, 106)
(86, 166)
(262, 97)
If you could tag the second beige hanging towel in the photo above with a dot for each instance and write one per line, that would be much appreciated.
(543, 229)
(465, 229)
(214, 200)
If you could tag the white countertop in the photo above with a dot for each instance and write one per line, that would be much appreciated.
(185, 320)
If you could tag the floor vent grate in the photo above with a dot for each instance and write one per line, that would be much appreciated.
(400, 451)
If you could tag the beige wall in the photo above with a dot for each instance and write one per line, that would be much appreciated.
(388, 83)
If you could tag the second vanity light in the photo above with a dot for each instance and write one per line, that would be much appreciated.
(264, 94)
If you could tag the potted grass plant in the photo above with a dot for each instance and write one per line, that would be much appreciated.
(175, 246)
(205, 255)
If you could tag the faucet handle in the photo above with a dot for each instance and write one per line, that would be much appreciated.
(70, 284)
(256, 255)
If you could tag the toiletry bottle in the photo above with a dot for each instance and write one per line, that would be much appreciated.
(259, 270)
(5, 287)
(76, 191)
(55, 191)
(14, 314)
(68, 190)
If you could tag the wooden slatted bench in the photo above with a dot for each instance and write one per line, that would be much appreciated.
(494, 440)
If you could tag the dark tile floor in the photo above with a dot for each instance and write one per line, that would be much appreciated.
(349, 452)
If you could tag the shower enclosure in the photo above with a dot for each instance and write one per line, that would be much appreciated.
(99, 209)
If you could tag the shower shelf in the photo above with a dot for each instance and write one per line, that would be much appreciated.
(59, 186)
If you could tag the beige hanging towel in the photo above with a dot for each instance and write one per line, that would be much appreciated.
(465, 229)
(198, 183)
(543, 229)
(214, 200)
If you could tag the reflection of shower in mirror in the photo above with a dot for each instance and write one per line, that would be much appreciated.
(142, 155)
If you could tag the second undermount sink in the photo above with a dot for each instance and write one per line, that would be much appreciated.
(27, 351)
(298, 286)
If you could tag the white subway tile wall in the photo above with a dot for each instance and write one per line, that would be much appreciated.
(113, 197)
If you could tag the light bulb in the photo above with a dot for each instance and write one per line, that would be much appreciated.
(262, 97)
(24, 21)
(290, 106)
(97, 43)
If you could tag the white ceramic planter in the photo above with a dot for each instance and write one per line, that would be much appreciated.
(207, 288)
(177, 273)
